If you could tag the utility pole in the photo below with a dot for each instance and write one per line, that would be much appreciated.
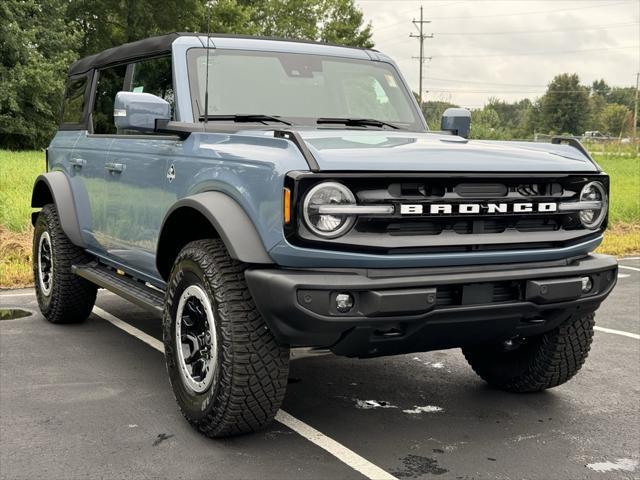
(419, 24)
(635, 113)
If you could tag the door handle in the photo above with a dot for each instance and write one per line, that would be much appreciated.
(78, 162)
(114, 167)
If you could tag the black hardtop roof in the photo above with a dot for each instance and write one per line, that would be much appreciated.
(159, 45)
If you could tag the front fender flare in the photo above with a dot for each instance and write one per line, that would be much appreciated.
(229, 220)
(54, 187)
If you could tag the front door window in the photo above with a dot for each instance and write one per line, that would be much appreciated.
(110, 82)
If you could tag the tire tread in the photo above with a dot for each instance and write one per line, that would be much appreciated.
(559, 355)
(254, 367)
(72, 297)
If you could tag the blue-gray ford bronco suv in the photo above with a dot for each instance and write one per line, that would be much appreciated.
(263, 195)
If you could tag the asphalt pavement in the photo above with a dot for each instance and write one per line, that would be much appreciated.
(94, 401)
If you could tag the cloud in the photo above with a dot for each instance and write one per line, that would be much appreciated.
(489, 59)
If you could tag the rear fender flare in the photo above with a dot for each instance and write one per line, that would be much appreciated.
(54, 187)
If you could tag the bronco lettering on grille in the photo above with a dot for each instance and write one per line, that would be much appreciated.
(477, 208)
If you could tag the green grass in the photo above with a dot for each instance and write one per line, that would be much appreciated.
(625, 187)
(18, 171)
(612, 149)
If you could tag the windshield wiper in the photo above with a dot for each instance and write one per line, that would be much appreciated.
(245, 118)
(357, 122)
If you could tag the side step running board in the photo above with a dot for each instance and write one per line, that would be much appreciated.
(123, 286)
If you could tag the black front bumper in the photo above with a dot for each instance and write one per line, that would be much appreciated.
(406, 310)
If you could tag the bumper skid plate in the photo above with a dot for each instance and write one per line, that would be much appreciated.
(406, 310)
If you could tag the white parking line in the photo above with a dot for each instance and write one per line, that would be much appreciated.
(618, 332)
(336, 449)
(342, 453)
(139, 334)
(33, 293)
(629, 268)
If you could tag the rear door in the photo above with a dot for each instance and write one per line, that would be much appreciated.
(89, 157)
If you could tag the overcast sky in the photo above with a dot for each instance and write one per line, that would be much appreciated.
(509, 49)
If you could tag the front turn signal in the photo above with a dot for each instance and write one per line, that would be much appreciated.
(286, 206)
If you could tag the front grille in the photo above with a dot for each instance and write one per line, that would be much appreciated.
(436, 227)
(481, 190)
(495, 225)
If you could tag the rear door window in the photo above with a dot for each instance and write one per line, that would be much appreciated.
(73, 104)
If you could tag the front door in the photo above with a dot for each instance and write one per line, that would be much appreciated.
(137, 177)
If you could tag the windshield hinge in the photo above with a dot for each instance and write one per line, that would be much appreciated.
(298, 141)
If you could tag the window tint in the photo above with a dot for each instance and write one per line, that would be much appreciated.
(110, 82)
(73, 105)
(154, 77)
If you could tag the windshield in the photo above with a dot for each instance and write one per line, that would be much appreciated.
(300, 88)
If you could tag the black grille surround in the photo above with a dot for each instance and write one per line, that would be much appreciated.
(456, 232)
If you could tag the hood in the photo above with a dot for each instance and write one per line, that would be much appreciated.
(383, 150)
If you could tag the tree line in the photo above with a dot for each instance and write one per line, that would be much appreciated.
(39, 39)
(566, 108)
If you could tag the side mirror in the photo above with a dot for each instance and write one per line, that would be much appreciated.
(139, 111)
(457, 121)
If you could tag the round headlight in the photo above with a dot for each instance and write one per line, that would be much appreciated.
(324, 225)
(593, 192)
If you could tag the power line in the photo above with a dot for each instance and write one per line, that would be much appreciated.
(457, 80)
(529, 54)
(531, 32)
(539, 12)
(506, 15)
(384, 27)
(508, 91)
(419, 24)
(521, 32)
(486, 104)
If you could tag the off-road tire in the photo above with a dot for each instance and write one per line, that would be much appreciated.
(251, 372)
(539, 363)
(71, 298)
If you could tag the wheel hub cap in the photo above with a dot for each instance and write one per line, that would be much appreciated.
(45, 264)
(196, 339)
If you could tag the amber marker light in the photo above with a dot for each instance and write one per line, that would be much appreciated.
(286, 205)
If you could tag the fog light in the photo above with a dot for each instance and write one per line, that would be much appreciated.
(587, 284)
(344, 302)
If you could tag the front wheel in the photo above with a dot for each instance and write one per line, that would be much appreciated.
(537, 363)
(228, 373)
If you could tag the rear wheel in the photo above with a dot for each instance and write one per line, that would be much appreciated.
(537, 363)
(228, 373)
(63, 297)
